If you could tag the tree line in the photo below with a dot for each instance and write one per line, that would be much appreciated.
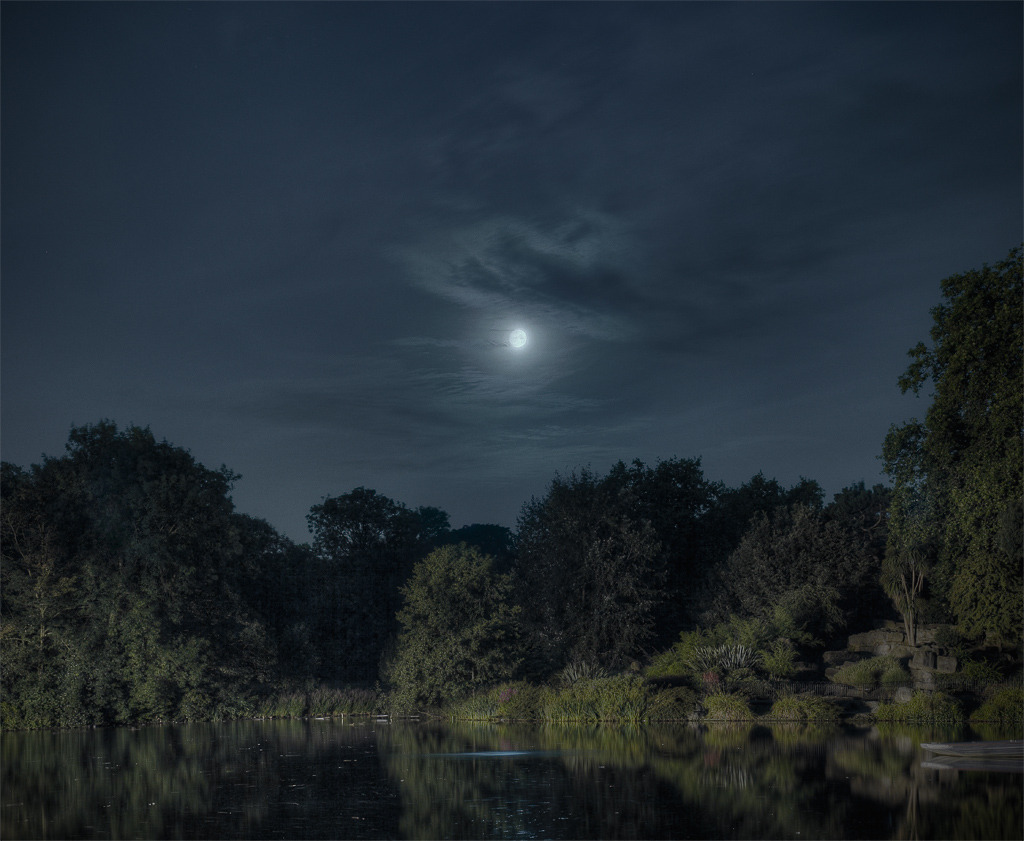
(133, 591)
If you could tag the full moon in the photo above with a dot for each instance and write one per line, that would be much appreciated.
(517, 338)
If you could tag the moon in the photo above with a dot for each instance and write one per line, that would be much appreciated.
(517, 338)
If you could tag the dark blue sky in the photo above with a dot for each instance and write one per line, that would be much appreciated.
(293, 238)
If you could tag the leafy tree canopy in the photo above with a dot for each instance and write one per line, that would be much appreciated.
(958, 474)
(459, 628)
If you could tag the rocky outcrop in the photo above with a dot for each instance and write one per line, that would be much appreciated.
(924, 660)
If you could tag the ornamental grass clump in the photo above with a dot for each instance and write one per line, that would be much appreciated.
(727, 706)
(1005, 706)
(621, 698)
(875, 671)
(575, 702)
(344, 701)
(923, 708)
(580, 671)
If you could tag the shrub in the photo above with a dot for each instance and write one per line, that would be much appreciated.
(669, 663)
(803, 708)
(672, 704)
(724, 706)
(884, 670)
(779, 661)
(923, 707)
(971, 674)
(1005, 706)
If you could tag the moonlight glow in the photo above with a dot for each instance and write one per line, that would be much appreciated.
(517, 338)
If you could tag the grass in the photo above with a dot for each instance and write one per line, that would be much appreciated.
(623, 698)
(321, 701)
(803, 708)
(1005, 706)
(923, 708)
(884, 671)
(726, 706)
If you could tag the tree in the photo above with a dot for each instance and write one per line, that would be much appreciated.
(674, 498)
(459, 628)
(863, 514)
(496, 541)
(124, 555)
(589, 574)
(366, 545)
(958, 473)
(794, 559)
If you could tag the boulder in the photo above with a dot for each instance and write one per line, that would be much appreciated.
(877, 642)
(837, 658)
(923, 678)
(945, 664)
(903, 695)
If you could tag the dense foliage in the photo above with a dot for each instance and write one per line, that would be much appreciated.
(460, 629)
(955, 520)
(133, 591)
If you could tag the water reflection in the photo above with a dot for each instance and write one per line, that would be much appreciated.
(332, 779)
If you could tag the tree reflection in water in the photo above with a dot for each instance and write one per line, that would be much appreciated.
(332, 779)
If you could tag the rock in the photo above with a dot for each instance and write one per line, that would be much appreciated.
(903, 695)
(837, 658)
(923, 678)
(945, 665)
(923, 659)
(877, 642)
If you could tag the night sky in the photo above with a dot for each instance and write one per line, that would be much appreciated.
(295, 238)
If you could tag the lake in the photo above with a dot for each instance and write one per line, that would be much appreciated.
(379, 779)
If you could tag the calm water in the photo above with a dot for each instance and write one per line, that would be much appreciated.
(331, 779)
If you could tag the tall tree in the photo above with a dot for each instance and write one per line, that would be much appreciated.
(125, 555)
(590, 575)
(459, 628)
(366, 545)
(863, 514)
(958, 474)
(674, 498)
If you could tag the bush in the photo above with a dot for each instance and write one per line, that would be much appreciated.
(884, 671)
(779, 661)
(1005, 706)
(923, 708)
(672, 704)
(803, 708)
(725, 706)
(671, 663)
